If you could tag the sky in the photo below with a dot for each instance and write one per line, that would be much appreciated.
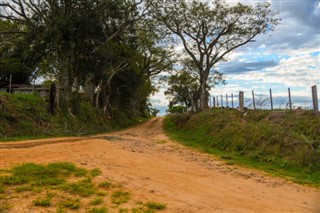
(288, 57)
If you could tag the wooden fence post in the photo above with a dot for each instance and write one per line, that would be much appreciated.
(227, 100)
(290, 103)
(253, 100)
(232, 100)
(10, 83)
(217, 101)
(241, 101)
(315, 99)
(221, 101)
(271, 101)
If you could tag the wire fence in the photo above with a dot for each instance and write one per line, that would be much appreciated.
(266, 101)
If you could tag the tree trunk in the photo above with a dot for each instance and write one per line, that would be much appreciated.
(89, 89)
(203, 94)
(52, 98)
(193, 105)
(76, 84)
(98, 93)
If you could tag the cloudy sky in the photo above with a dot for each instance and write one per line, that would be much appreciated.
(290, 57)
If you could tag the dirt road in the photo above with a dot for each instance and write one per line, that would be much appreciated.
(154, 168)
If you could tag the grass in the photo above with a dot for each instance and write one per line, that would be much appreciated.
(156, 205)
(283, 143)
(95, 172)
(63, 186)
(106, 184)
(70, 203)
(84, 188)
(25, 117)
(43, 201)
(96, 201)
(98, 210)
(120, 197)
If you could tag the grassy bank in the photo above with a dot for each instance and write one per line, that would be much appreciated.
(283, 143)
(26, 117)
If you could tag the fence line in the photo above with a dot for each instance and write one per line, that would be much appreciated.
(260, 104)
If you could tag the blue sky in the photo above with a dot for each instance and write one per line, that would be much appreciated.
(287, 57)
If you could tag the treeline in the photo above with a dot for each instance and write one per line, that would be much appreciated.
(107, 50)
(110, 49)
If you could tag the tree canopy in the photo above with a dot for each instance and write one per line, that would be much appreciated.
(209, 31)
(108, 50)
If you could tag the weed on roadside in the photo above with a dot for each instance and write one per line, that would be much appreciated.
(43, 201)
(156, 205)
(120, 197)
(96, 201)
(70, 203)
(98, 210)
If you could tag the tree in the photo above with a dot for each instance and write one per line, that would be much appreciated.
(209, 32)
(183, 90)
(108, 49)
(154, 47)
(17, 57)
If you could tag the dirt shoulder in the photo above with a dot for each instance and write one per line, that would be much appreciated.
(154, 168)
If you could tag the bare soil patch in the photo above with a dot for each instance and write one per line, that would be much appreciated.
(154, 168)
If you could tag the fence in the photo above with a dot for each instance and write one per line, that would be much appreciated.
(252, 102)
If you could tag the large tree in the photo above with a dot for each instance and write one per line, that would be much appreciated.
(209, 31)
(107, 48)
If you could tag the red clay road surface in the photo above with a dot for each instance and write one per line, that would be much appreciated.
(152, 167)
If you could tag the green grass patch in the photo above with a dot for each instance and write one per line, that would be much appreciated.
(70, 203)
(62, 186)
(96, 201)
(24, 188)
(95, 172)
(120, 197)
(98, 210)
(156, 205)
(283, 143)
(41, 175)
(106, 185)
(84, 188)
(43, 201)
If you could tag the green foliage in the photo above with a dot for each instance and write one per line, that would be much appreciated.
(25, 116)
(283, 142)
(184, 89)
(108, 49)
(211, 30)
(176, 109)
